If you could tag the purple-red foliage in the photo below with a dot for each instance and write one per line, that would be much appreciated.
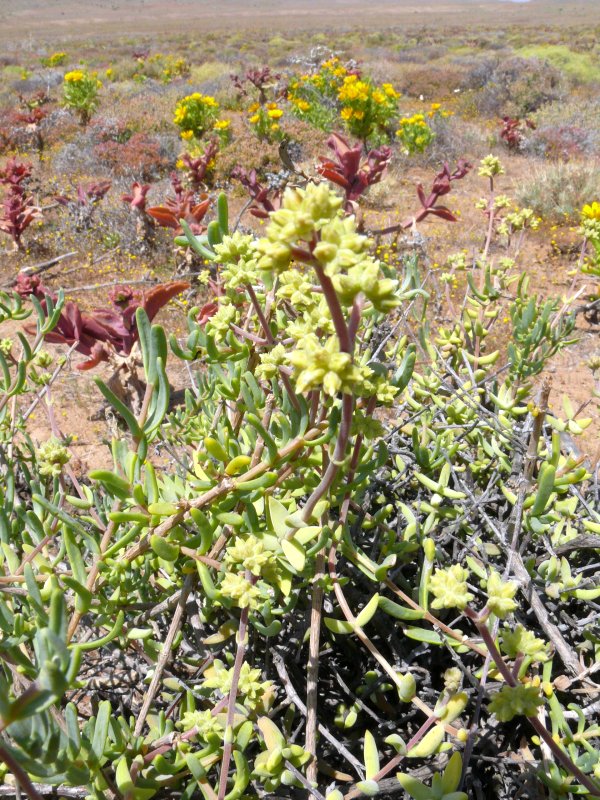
(264, 199)
(14, 172)
(513, 131)
(18, 208)
(350, 170)
(442, 185)
(182, 205)
(260, 78)
(139, 156)
(197, 168)
(105, 330)
(137, 197)
(86, 196)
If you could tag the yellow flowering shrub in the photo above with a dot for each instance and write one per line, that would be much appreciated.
(264, 121)
(80, 93)
(196, 114)
(366, 109)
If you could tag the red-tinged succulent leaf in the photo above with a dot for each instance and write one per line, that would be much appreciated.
(137, 197)
(443, 212)
(32, 284)
(164, 217)
(160, 295)
(198, 212)
(327, 170)
(207, 311)
(98, 353)
(14, 172)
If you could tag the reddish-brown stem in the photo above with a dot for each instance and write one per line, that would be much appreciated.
(21, 776)
(335, 309)
(536, 723)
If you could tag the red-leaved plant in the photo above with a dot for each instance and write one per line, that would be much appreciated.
(182, 205)
(264, 198)
(198, 169)
(262, 78)
(513, 130)
(83, 204)
(18, 208)
(137, 201)
(430, 206)
(105, 334)
(350, 170)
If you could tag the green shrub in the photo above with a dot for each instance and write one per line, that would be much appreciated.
(559, 189)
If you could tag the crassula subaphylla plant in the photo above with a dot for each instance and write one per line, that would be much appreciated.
(336, 571)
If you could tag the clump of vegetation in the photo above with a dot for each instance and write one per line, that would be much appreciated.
(335, 537)
(558, 189)
(80, 93)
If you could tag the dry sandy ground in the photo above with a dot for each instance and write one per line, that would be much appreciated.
(30, 21)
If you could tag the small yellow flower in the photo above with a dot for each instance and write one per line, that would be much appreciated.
(254, 119)
(346, 113)
(275, 126)
(222, 124)
(187, 134)
(591, 211)
(254, 107)
(275, 113)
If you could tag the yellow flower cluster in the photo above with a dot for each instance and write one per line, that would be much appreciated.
(591, 211)
(75, 76)
(55, 60)
(414, 133)
(366, 109)
(353, 89)
(435, 110)
(264, 120)
(195, 114)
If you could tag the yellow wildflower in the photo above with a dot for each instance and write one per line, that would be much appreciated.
(591, 211)
(187, 134)
(275, 113)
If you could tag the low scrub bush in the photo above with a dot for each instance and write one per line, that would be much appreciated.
(375, 507)
(518, 87)
(431, 81)
(558, 189)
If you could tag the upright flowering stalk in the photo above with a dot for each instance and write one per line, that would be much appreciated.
(80, 93)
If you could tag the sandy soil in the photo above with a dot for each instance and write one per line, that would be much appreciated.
(42, 20)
